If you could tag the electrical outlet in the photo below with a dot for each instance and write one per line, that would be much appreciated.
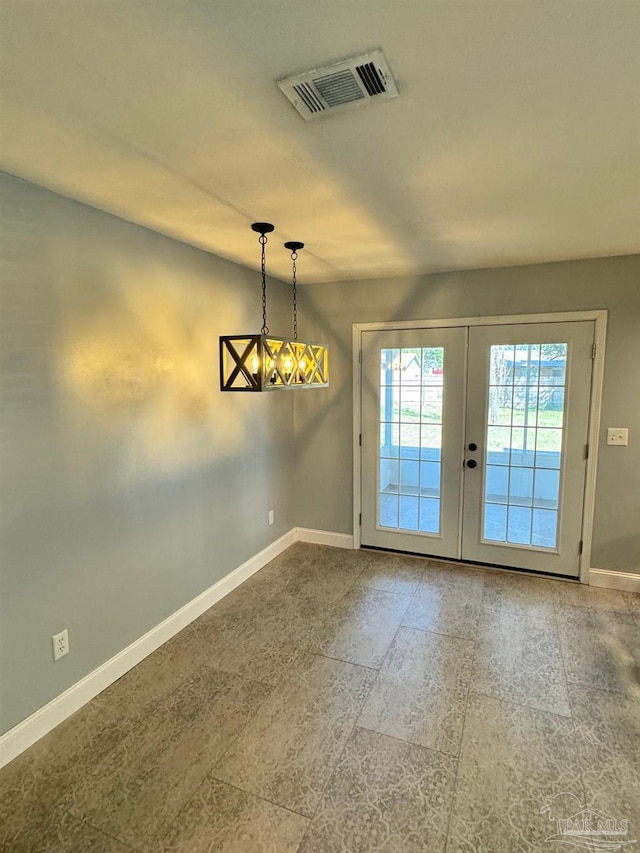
(618, 436)
(60, 644)
(271, 517)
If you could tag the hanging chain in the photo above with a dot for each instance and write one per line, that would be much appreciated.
(294, 257)
(265, 328)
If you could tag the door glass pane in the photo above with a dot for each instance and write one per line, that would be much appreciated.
(431, 442)
(430, 479)
(409, 476)
(521, 487)
(389, 439)
(545, 525)
(519, 527)
(548, 448)
(429, 515)
(547, 489)
(388, 510)
(495, 522)
(525, 423)
(408, 513)
(497, 484)
(409, 440)
(410, 461)
(389, 476)
(499, 441)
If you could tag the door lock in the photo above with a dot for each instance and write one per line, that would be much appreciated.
(471, 463)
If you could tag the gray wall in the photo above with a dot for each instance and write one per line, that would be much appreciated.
(129, 483)
(323, 421)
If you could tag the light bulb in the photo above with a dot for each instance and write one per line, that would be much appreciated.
(288, 364)
(255, 364)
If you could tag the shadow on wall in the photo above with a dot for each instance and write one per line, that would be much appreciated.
(144, 360)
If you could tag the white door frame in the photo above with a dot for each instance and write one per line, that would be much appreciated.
(600, 319)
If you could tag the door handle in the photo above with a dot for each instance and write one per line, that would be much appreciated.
(471, 463)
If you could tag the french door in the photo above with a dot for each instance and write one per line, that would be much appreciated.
(474, 442)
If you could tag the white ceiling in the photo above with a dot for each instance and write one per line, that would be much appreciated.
(515, 138)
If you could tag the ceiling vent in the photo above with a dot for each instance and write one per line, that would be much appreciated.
(352, 83)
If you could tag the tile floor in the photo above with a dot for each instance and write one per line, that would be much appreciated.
(358, 702)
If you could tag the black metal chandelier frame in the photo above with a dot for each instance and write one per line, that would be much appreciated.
(266, 362)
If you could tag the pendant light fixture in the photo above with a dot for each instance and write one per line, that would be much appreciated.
(265, 362)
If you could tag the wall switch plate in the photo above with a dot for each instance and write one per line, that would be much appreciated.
(618, 436)
(270, 516)
(60, 644)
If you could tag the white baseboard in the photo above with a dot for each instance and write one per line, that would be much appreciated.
(624, 581)
(324, 537)
(42, 721)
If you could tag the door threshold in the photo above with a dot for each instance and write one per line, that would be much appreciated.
(476, 565)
